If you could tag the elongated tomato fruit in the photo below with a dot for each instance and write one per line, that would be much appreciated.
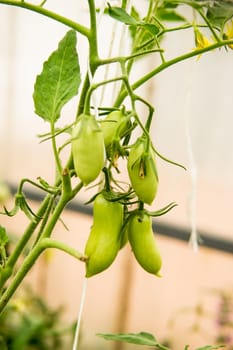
(88, 149)
(104, 239)
(142, 171)
(143, 243)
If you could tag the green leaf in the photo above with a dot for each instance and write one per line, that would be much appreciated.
(121, 15)
(169, 15)
(4, 239)
(220, 12)
(169, 4)
(152, 28)
(133, 29)
(59, 80)
(135, 14)
(141, 338)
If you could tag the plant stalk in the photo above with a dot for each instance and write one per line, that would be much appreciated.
(42, 11)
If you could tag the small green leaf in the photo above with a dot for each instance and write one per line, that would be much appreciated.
(152, 28)
(133, 29)
(220, 12)
(141, 338)
(135, 14)
(169, 4)
(211, 347)
(59, 80)
(169, 15)
(121, 15)
(4, 239)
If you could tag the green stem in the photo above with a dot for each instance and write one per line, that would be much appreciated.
(81, 104)
(107, 179)
(167, 64)
(48, 190)
(150, 117)
(45, 218)
(93, 42)
(31, 228)
(209, 25)
(30, 261)
(25, 267)
(66, 184)
(137, 39)
(43, 3)
(38, 9)
(55, 216)
(23, 241)
(141, 205)
(122, 59)
(39, 246)
(173, 29)
(161, 52)
(86, 109)
(93, 57)
(55, 150)
(28, 233)
(51, 243)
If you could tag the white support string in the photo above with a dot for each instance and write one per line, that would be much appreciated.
(80, 313)
(93, 96)
(120, 50)
(192, 166)
(107, 68)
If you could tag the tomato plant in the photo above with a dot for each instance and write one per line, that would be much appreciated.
(100, 135)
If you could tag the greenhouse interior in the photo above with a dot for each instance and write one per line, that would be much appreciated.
(116, 175)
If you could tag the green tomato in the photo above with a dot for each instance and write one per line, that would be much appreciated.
(115, 124)
(143, 243)
(104, 239)
(88, 149)
(142, 171)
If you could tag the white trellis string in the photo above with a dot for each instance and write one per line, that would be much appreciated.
(93, 96)
(122, 46)
(192, 166)
(106, 73)
(120, 50)
(80, 313)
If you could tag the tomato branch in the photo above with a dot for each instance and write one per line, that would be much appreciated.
(165, 65)
(55, 16)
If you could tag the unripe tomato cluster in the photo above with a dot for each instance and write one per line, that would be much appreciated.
(95, 147)
(109, 234)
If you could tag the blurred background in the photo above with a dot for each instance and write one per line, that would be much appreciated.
(193, 126)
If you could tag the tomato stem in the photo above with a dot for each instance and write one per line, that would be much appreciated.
(55, 16)
(29, 262)
(107, 179)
